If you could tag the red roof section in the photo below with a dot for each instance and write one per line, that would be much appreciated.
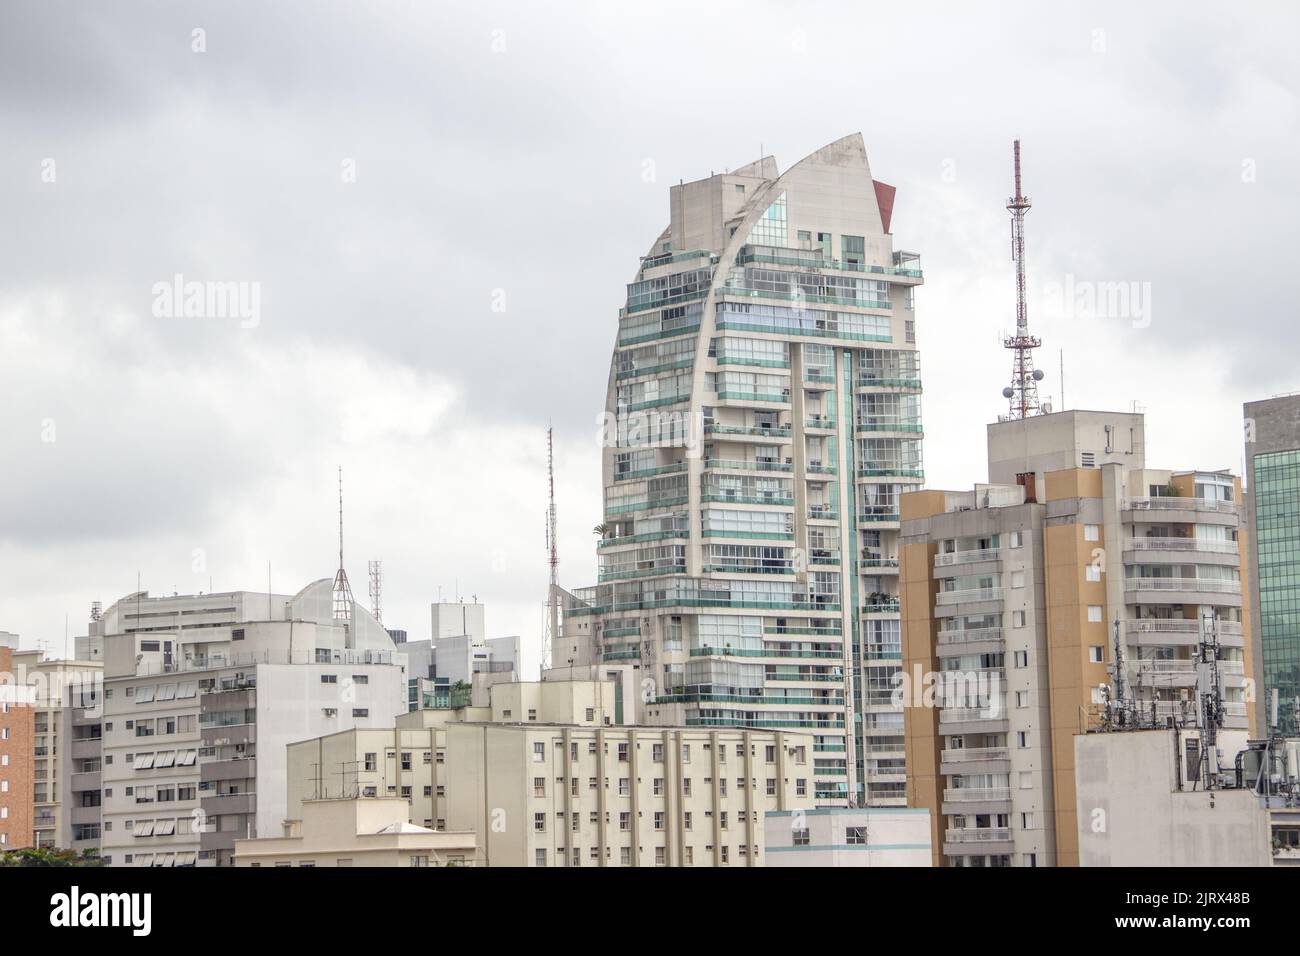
(885, 200)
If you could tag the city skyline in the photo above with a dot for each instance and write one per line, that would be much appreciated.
(199, 449)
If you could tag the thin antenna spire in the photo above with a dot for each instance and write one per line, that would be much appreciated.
(342, 589)
(1022, 393)
(553, 557)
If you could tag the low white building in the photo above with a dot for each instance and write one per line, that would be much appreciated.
(848, 836)
(343, 833)
(1140, 803)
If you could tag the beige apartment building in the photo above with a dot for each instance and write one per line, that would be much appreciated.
(552, 795)
(1020, 595)
(358, 832)
(408, 761)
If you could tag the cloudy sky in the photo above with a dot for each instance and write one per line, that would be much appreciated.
(440, 205)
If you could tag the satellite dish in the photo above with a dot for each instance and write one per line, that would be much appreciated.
(1047, 408)
(1038, 375)
(1007, 392)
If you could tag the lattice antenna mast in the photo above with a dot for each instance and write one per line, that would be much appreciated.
(553, 557)
(376, 590)
(1022, 393)
(342, 589)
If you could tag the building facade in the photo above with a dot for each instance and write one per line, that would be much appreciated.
(349, 833)
(409, 761)
(52, 685)
(763, 418)
(202, 695)
(17, 753)
(848, 836)
(553, 795)
(1021, 596)
(1273, 509)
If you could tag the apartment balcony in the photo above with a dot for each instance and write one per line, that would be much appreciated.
(888, 425)
(975, 760)
(884, 606)
(966, 557)
(238, 769)
(1179, 632)
(80, 816)
(968, 596)
(878, 517)
(757, 431)
(973, 720)
(818, 467)
(86, 749)
(1163, 673)
(978, 835)
(1171, 510)
(820, 422)
(822, 512)
(229, 803)
(231, 735)
(976, 635)
(215, 701)
(735, 464)
(876, 560)
(1177, 549)
(89, 780)
(976, 794)
(1182, 591)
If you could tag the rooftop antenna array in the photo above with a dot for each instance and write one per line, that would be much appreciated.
(342, 589)
(1022, 393)
(552, 557)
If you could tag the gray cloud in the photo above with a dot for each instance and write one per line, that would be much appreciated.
(522, 170)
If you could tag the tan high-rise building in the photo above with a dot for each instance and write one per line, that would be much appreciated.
(1020, 594)
(763, 417)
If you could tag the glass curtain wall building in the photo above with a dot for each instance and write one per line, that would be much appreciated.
(763, 417)
(1273, 510)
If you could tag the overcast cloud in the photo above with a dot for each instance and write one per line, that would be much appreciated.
(501, 155)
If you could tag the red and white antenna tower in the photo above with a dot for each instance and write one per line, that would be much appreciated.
(342, 590)
(1022, 393)
(553, 557)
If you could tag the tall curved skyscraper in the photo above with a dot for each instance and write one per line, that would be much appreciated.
(763, 416)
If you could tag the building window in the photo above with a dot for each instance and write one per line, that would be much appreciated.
(1096, 654)
(801, 787)
(1017, 579)
(799, 837)
(659, 819)
(625, 820)
(1020, 658)
(539, 822)
(1017, 539)
(1022, 739)
(360, 712)
(622, 753)
(1094, 614)
(539, 752)
(1017, 618)
(1091, 532)
(1092, 572)
(539, 857)
(1022, 698)
(539, 786)
(1026, 821)
(657, 752)
(591, 713)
